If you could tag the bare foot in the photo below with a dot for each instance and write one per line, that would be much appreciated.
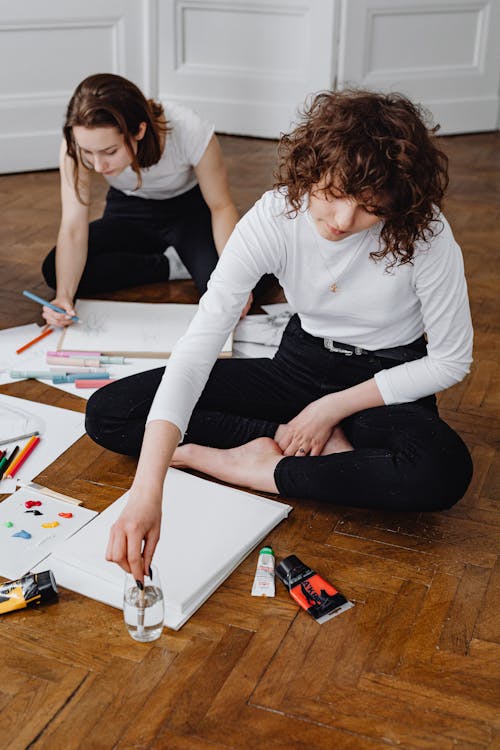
(337, 442)
(251, 465)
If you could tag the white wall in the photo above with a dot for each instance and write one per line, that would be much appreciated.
(46, 48)
(442, 53)
(245, 64)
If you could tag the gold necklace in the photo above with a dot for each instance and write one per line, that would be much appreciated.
(334, 284)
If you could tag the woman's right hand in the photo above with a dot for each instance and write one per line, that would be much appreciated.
(60, 320)
(138, 523)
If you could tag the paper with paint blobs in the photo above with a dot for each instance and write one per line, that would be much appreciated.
(32, 524)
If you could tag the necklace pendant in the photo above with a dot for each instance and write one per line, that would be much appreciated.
(333, 287)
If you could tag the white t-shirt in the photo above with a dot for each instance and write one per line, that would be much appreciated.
(185, 144)
(372, 308)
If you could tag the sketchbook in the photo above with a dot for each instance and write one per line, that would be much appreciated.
(131, 329)
(207, 530)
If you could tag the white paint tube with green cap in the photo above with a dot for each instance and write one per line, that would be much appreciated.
(263, 583)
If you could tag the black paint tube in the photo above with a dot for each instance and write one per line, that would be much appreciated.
(318, 597)
(31, 589)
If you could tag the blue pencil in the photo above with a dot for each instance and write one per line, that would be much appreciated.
(45, 302)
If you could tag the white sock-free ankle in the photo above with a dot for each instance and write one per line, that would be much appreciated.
(177, 268)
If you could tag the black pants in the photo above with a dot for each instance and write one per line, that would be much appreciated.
(405, 457)
(126, 246)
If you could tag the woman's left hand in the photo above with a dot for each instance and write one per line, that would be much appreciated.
(309, 431)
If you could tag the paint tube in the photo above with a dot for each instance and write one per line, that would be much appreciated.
(263, 583)
(318, 597)
(33, 588)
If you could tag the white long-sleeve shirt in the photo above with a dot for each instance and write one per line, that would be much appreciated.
(372, 308)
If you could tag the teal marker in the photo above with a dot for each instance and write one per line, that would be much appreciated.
(58, 379)
(39, 374)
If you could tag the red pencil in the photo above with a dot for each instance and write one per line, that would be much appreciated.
(33, 341)
(22, 456)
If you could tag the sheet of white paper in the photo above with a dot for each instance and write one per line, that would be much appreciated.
(261, 329)
(278, 308)
(207, 530)
(127, 327)
(249, 350)
(58, 428)
(31, 359)
(34, 358)
(17, 554)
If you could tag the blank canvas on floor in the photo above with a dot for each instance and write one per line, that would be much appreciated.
(207, 530)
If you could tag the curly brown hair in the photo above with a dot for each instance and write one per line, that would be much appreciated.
(108, 100)
(377, 149)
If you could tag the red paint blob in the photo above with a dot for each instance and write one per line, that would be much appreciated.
(32, 503)
(65, 515)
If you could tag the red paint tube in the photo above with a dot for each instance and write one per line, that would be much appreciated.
(318, 597)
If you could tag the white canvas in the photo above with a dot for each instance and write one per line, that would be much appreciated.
(129, 328)
(207, 530)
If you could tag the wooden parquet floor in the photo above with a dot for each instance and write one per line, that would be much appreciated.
(413, 665)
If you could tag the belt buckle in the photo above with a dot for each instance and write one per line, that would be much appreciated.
(328, 344)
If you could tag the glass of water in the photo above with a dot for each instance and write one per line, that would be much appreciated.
(143, 610)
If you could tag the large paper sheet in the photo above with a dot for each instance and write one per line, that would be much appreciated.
(207, 530)
(20, 553)
(32, 358)
(130, 328)
(58, 428)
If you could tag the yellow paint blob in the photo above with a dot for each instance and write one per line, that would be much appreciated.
(51, 525)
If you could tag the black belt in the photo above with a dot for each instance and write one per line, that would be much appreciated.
(399, 353)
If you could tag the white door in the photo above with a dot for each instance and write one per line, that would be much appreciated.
(443, 54)
(46, 49)
(245, 64)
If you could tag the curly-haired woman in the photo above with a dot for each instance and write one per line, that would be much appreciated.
(345, 413)
(168, 188)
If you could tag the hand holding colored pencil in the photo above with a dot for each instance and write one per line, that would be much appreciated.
(46, 303)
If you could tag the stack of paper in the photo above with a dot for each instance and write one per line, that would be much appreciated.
(207, 530)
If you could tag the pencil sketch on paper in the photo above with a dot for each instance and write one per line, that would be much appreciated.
(128, 327)
(93, 324)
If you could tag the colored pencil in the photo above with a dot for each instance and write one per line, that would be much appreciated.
(47, 332)
(6, 462)
(22, 456)
(19, 437)
(69, 353)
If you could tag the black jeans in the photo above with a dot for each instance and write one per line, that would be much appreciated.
(126, 246)
(405, 457)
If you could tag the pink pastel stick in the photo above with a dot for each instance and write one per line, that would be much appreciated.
(93, 383)
(68, 353)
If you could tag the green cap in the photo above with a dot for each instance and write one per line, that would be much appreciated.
(266, 551)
